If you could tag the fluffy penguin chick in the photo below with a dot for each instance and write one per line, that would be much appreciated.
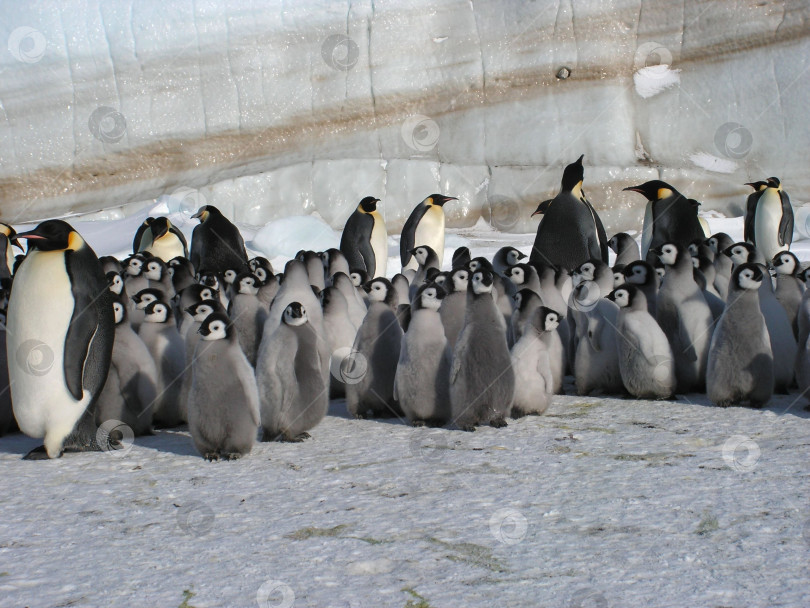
(482, 381)
(198, 312)
(645, 357)
(454, 304)
(421, 382)
(131, 387)
(160, 335)
(369, 372)
(740, 358)
(293, 391)
(531, 360)
(595, 364)
(339, 332)
(223, 405)
(248, 314)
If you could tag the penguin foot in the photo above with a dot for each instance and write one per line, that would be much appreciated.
(468, 428)
(211, 456)
(38, 453)
(301, 437)
(418, 423)
(497, 423)
(230, 455)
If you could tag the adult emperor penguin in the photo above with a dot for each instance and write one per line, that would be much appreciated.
(364, 241)
(531, 360)
(773, 220)
(216, 244)
(646, 362)
(741, 365)
(625, 248)
(570, 231)
(60, 330)
(421, 381)
(669, 217)
(751, 209)
(293, 389)
(164, 240)
(223, 403)
(131, 388)
(139, 235)
(482, 381)
(7, 239)
(425, 226)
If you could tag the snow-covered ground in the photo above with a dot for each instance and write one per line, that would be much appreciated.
(599, 503)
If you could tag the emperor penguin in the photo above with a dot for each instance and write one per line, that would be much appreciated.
(142, 299)
(334, 261)
(140, 233)
(165, 241)
(427, 259)
(425, 226)
(646, 362)
(159, 332)
(741, 364)
(131, 387)
(198, 312)
(643, 275)
(526, 302)
(364, 241)
(357, 307)
(751, 209)
(421, 382)
(570, 231)
(216, 244)
(531, 360)
(461, 257)
(223, 403)
(7, 239)
(293, 388)
(524, 276)
(773, 220)
(482, 381)
(339, 332)
(669, 217)
(454, 304)
(182, 273)
(506, 257)
(157, 274)
(789, 286)
(718, 243)
(60, 329)
(191, 295)
(625, 248)
(134, 267)
(248, 315)
(370, 370)
(685, 316)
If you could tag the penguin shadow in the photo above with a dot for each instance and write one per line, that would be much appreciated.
(176, 440)
(17, 443)
(338, 409)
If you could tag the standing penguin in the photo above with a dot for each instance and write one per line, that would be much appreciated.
(625, 248)
(506, 257)
(182, 273)
(421, 382)
(669, 217)
(454, 305)
(570, 231)
(426, 259)
(374, 356)
(131, 387)
(157, 273)
(339, 332)
(425, 226)
(773, 220)
(216, 244)
(531, 360)
(751, 210)
(7, 239)
(645, 356)
(718, 243)
(364, 241)
(740, 358)
(248, 314)
(164, 240)
(223, 404)
(60, 330)
(526, 302)
(293, 389)
(198, 312)
(482, 381)
(789, 286)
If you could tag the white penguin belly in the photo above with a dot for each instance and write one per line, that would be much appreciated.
(430, 232)
(166, 248)
(379, 244)
(40, 311)
(766, 224)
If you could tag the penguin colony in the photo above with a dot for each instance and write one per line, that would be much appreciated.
(205, 336)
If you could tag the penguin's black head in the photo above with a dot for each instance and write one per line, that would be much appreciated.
(719, 241)
(358, 276)
(369, 204)
(217, 326)
(259, 262)
(381, 290)
(439, 199)
(573, 175)
(247, 283)
(429, 296)
(654, 190)
(786, 263)
(424, 254)
(434, 275)
(295, 314)
(205, 212)
(804, 275)
(618, 275)
(639, 272)
(159, 227)
(747, 276)
(481, 282)
(115, 282)
(545, 319)
(624, 296)
(209, 280)
(200, 310)
(740, 253)
(158, 312)
(146, 296)
(525, 298)
(461, 257)
(53, 235)
(119, 310)
(480, 263)
(773, 182)
(668, 253)
(757, 186)
(459, 279)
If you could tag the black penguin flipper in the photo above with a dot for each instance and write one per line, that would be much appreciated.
(786, 223)
(600, 232)
(136, 242)
(196, 247)
(750, 214)
(89, 339)
(355, 242)
(181, 237)
(407, 241)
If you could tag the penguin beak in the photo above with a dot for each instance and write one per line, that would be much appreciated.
(633, 189)
(611, 296)
(367, 287)
(656, 251)
(29, 235)
(521, 255)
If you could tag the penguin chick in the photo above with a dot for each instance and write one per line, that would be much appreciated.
(618, 275)
(157, 274)
(625, 248)
(248, 315)
(482, 381)
(427, 258)
(524, 276)
(421, 380)
(789, 287)
(506, 257)
(531, 360)
(197, 312)
(182, 273)
(357, 307)
(334, 261)
(293, 389)
(461, 257)
(643, 275)
(741, 362)
(454, 305)
(223, 403)
(339, 332)
(718, 243)
(526, 302)
(646, 362)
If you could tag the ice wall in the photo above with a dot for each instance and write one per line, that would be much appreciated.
(269, 109)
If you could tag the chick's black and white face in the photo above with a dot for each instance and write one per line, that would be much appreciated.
(517, 275)
(638, 276)
(787, 264)
(247, 285)
(117, 284)
(421, 255)
(295, 315)
(378, 291)
(712, 243)
(134, 267)
(357, 280)
(669, 253)
(586, 271)
(206, 294)
(474, 265)
(159, 313)
(618, 279)
(460, 280)
(513, 257)
(739, 254)
(217, 330)
(260, 273)
(146, 300)
(202, 311)
(747, 279)
(230, 276)
(479, 284)
(622, 298)
(430, 299)
(154, 271)
(552, 321)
